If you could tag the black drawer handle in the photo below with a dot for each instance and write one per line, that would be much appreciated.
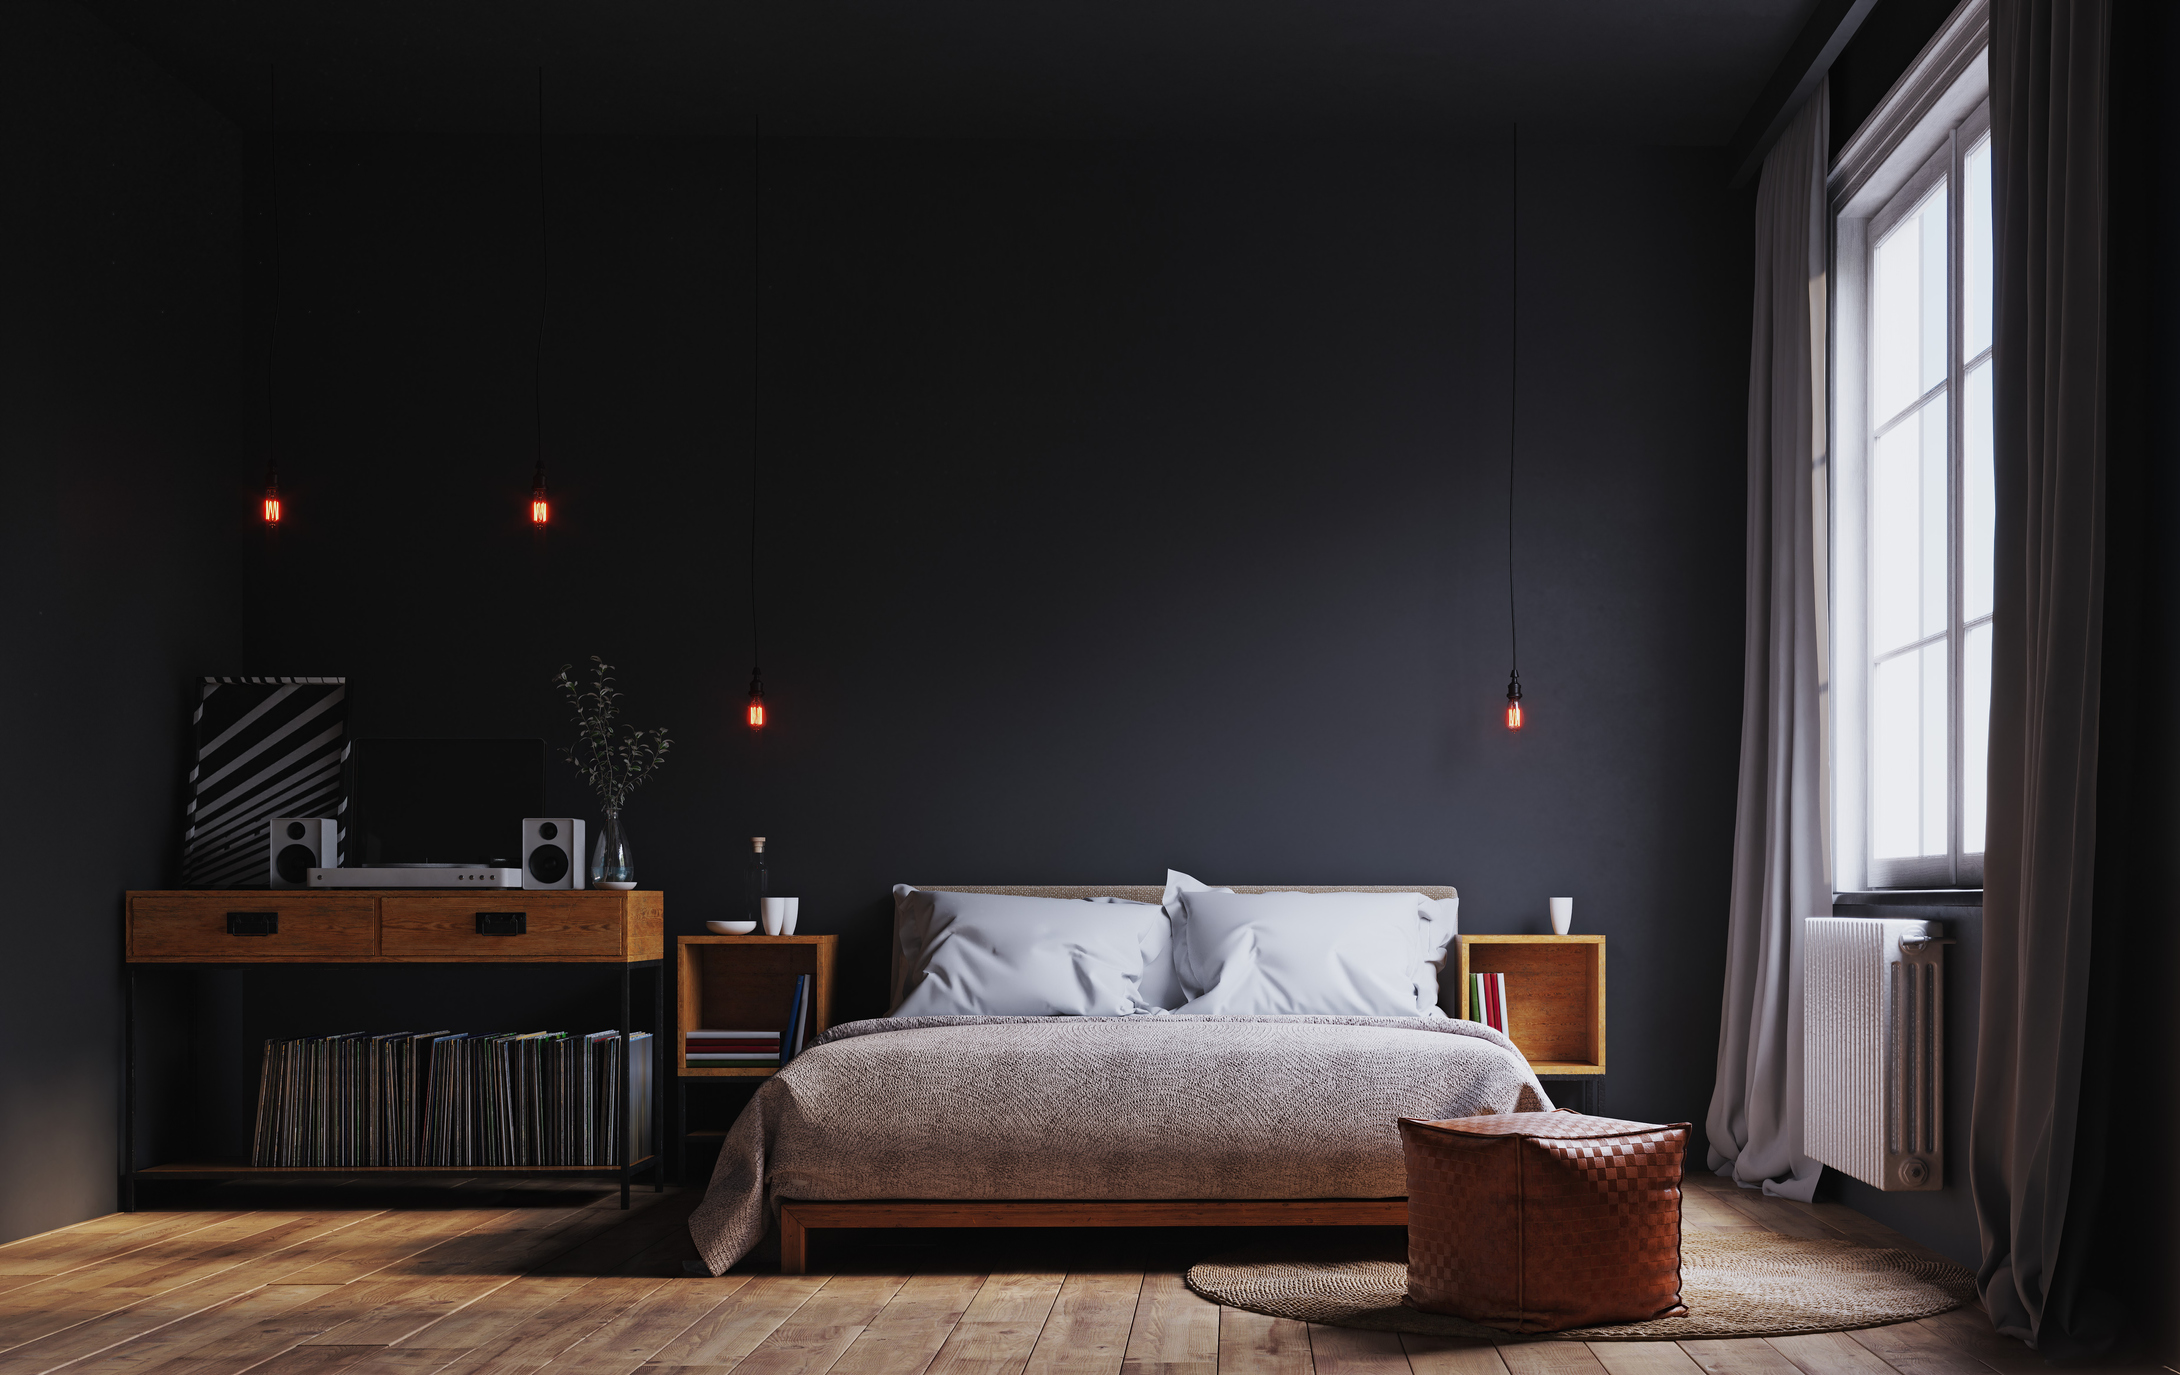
(253, 923)
(502, 923)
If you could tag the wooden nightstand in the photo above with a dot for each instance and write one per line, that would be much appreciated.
(740, 983)
(1555, 1002)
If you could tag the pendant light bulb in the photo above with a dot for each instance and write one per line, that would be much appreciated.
(271, 509)
(1513, 427)
(756, 699)
(541, 510)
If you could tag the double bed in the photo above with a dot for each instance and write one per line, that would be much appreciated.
(1097, 1120)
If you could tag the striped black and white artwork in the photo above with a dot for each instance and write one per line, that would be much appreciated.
(266, 747)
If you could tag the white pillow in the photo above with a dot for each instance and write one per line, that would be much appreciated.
(993, 954)
(1324, 954)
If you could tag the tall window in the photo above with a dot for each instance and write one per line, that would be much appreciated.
(1929, 615)
(1912, 503)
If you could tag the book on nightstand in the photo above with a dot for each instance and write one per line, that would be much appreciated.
(798, 1019)
(1487, 1000)
(733, 1049)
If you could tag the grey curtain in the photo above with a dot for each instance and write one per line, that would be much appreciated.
(1780, 875)
(2049, 64)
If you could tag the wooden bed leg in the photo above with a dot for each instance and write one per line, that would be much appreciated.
(794, 1244)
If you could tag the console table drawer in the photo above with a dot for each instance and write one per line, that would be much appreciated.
(197, 927)
(514, 926)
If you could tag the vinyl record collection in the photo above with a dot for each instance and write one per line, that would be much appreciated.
(453, 1099)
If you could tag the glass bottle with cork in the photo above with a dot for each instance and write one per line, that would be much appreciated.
(759, 884)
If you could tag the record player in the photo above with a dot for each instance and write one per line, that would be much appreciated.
(437, 813)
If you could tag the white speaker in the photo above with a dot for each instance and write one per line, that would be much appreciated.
(301, 844)
(552, 852)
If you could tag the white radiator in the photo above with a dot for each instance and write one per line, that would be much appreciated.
(1873, 1049)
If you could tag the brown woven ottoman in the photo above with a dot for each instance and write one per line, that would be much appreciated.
(1538, 1221)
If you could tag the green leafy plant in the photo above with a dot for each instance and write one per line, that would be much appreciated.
(614, 759)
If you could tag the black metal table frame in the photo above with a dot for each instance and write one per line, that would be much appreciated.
(653, 1164)
(1588, 1086)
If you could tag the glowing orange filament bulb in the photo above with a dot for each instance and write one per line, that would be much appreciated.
(1513, 703)
(756, 700)
(272, 504)
(540, 512)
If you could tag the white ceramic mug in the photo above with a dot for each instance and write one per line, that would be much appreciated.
(794, 907)
(779, 916)
(1562, 915)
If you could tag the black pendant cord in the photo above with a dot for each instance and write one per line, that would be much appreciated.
(544, 295)
(756, 384)
(272, 335)
(1513, 416)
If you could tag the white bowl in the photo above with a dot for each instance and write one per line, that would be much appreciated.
(731, 928)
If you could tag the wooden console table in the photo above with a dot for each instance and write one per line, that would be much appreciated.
(211, 928)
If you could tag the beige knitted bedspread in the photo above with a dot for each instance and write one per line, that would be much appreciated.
(1100, 1107)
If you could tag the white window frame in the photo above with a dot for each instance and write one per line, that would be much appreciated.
(1931, 119)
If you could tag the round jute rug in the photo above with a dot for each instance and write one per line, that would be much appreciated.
(1736, 1284)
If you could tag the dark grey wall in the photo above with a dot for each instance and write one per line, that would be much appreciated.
(2134, 1035)
(126, 487)
(1124, 505)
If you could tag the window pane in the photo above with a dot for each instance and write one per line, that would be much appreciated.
(1976, 250)
(1907, 309)
(1894, 787)
(1907, 531)
(1937, 743)
(1934, 519)
(1975, 734)
(1908, 755)
(1979, 510)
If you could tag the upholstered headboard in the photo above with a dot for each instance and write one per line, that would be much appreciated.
(1139, 892)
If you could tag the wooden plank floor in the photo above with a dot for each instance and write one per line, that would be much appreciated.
(494, 1278)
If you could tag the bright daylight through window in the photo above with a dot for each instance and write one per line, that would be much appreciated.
(1926, 524)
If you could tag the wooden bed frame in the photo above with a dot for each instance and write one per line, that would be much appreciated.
(798, 1220)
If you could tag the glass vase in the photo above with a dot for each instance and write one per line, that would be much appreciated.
(612, 862)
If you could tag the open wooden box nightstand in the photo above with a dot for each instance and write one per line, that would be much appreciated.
(740, 983)
(1555, 1002)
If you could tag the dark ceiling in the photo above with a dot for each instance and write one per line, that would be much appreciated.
(1653, 71)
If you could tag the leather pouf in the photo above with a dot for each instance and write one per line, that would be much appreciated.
(1540, 1221)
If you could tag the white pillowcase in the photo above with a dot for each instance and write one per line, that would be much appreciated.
(1322, 954)
(993, 954)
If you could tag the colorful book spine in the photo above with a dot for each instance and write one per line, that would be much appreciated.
(809, 1013)
(732, 1049)
(797, 1009)
(1487, 1000)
